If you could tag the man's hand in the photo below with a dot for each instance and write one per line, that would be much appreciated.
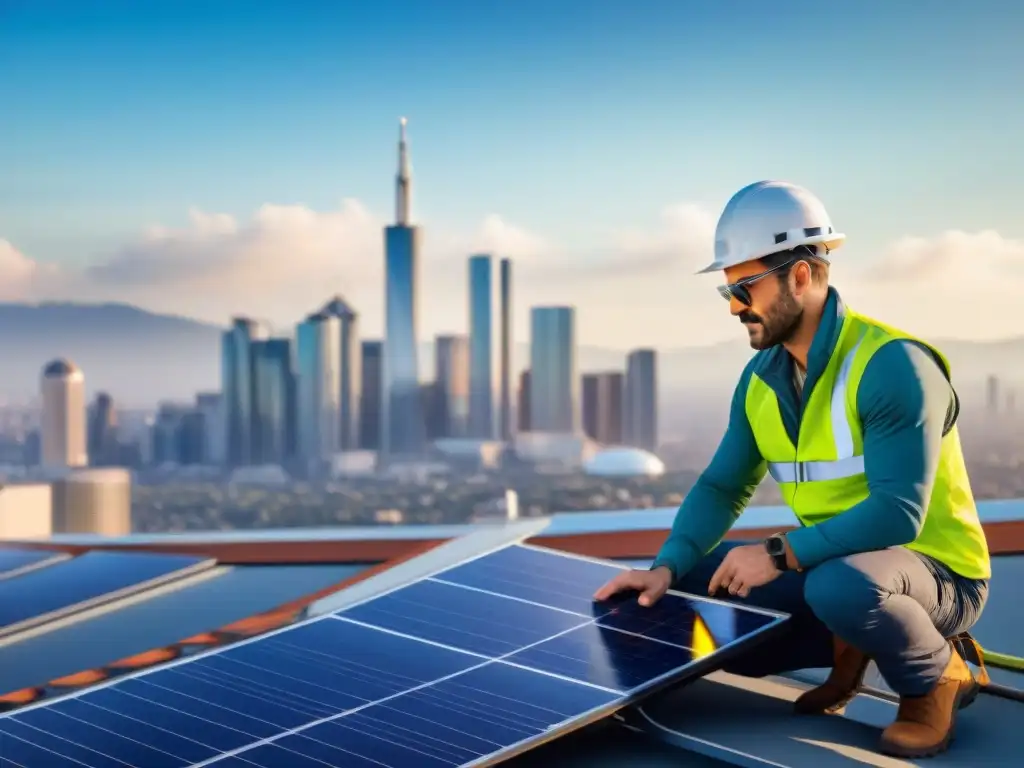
(650, 584)
(743, 569)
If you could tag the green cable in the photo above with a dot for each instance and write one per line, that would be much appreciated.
(1003, 661)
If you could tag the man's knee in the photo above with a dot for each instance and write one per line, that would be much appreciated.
(840, 594)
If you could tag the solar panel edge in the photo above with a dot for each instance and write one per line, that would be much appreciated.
(222, 649)
(11, 630)
(431, 574)
(624, 566)
(59, 557)
(155, 669)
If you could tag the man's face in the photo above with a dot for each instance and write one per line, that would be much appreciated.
(774, 313)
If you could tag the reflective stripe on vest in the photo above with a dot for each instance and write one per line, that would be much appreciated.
(846, 464)
(821, 475)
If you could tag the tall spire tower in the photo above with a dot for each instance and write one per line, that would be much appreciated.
(403, 428)
(403, 180)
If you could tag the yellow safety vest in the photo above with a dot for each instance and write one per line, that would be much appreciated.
(823, 475)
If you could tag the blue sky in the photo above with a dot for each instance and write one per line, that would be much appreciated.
(561, 116)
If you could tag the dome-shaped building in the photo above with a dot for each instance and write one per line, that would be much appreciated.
(624, 462)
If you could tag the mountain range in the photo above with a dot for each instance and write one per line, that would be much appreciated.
(140, 357)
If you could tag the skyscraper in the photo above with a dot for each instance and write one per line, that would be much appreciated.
(554, 379)
(505, 352)
(238, 386)
(403, 429)
(211, 406)
(371, 406)
(640, 422)
(63, 428)
(602, 407)
(523, 404)
(451, 355)
(318, 353)
(481, 351)
(273, 402)
(350, 381)
(102, 430)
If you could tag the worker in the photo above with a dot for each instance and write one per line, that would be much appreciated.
(856, 422)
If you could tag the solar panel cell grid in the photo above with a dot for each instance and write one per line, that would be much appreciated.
(434, 673)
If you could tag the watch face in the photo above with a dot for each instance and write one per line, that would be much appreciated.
(775, 546)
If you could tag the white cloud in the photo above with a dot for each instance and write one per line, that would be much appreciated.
(955, 284)
(632, 286)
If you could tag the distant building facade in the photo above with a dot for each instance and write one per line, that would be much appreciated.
(63, 430)
(602, 406)
(318, 360)
(481, 349)
(640, 422)
(452, 377)
(505, 352)
(554, 378)
(371, 410)
(238, 386)
(523, 402)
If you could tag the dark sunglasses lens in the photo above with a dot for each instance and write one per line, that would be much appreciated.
(739, 292)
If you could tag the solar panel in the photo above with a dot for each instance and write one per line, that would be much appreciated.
(83, 582)
(14, 562)
(465, 668)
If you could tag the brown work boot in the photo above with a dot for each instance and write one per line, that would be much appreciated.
(925, 725)
(832, 696)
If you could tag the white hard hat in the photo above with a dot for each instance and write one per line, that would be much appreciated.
(767, 217)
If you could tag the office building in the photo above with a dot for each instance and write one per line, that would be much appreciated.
(211, 406)
(554, 378)
(318, 360)
(238, 387)
(523, 403)
(481, 351)
(452, 377)
(102, 431)
(63, 427)
(274, 402)
(349, 377)
(371, 409)
(505, 352)
(403, 430)
(602, 406)
(640, 422)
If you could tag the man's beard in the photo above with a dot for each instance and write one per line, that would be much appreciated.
(777, 326)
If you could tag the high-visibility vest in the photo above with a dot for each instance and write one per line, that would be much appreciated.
(823, 474)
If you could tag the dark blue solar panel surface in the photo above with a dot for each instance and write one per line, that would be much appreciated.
(15, 559)
(80, 579)
(445, 671)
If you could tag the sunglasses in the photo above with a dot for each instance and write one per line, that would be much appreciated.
(740, 289)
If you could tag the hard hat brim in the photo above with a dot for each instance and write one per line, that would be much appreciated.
(831, 241)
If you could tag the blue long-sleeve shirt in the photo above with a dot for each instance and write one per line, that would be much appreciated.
(906, 405)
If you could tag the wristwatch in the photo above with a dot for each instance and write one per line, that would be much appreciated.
(776, 547)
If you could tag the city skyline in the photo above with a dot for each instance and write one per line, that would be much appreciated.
(602, 196)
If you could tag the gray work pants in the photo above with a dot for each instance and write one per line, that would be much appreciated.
(893, 604)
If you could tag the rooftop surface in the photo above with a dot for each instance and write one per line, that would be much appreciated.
(138, 603)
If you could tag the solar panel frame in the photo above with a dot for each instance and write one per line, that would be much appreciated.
(197, 565)
(615, 700)
(43, 558)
